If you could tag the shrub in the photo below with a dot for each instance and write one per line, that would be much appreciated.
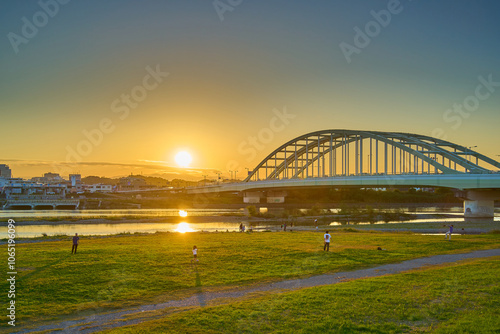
(252, 211)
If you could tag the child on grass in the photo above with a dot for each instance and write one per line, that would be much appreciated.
(195, 254)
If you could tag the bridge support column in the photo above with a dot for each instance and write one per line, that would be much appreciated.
(276, 196)
(480, 204)
(479, 209)
(251, 197)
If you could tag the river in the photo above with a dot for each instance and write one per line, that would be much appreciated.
(32, 223)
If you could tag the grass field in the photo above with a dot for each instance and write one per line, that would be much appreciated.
(457, 298)
(115, 272)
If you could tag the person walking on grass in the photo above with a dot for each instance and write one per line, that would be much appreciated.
(448, 234)
(76, 238)
(327, 238)
(195, 254)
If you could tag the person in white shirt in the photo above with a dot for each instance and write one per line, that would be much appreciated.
(195, 254)
(327, 238)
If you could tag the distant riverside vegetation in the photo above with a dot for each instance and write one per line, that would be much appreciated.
(154, 181)
(304, 198)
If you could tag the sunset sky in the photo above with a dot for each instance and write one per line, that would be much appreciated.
(121, 87)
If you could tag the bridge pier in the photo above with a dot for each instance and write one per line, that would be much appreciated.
(253, 197)
(276, 196)
(480, 203)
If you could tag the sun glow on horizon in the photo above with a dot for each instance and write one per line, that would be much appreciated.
(183, 213)
(183, 159)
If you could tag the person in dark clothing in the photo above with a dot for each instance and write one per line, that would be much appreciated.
(76, 238)
(448, 234)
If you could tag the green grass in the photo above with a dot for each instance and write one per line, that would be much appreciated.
(116, 272)
(425, 227)
(458, 298)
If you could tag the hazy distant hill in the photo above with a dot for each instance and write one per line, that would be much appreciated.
(98, 179)
(150, 180)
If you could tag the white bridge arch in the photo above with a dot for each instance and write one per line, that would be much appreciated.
(330, 153)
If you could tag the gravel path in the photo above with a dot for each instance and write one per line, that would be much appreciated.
(97, 322)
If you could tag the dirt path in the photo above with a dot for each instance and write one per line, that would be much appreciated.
(97, 322)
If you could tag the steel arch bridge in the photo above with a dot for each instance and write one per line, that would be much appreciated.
(372, 159)
(331, 153)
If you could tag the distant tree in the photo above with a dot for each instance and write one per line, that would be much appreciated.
(252, 211)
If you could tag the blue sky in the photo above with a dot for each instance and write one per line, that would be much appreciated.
(225, 78)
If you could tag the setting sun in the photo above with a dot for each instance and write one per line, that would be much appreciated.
(183, 159)
(183, 213)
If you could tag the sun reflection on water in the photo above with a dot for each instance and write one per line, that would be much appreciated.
(183, 228)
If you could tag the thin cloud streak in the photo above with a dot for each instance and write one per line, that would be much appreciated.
(153, 166)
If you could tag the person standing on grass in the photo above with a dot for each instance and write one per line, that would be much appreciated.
(327, 238)
(448, 234)
(76, 238)
(195, 254)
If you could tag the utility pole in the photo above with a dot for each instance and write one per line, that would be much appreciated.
(470, 150)
(469, 153)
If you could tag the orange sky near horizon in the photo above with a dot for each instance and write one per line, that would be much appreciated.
(117, 88)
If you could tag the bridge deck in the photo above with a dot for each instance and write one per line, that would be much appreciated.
(456, 181)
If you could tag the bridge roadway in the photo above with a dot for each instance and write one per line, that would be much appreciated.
(455, 181)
